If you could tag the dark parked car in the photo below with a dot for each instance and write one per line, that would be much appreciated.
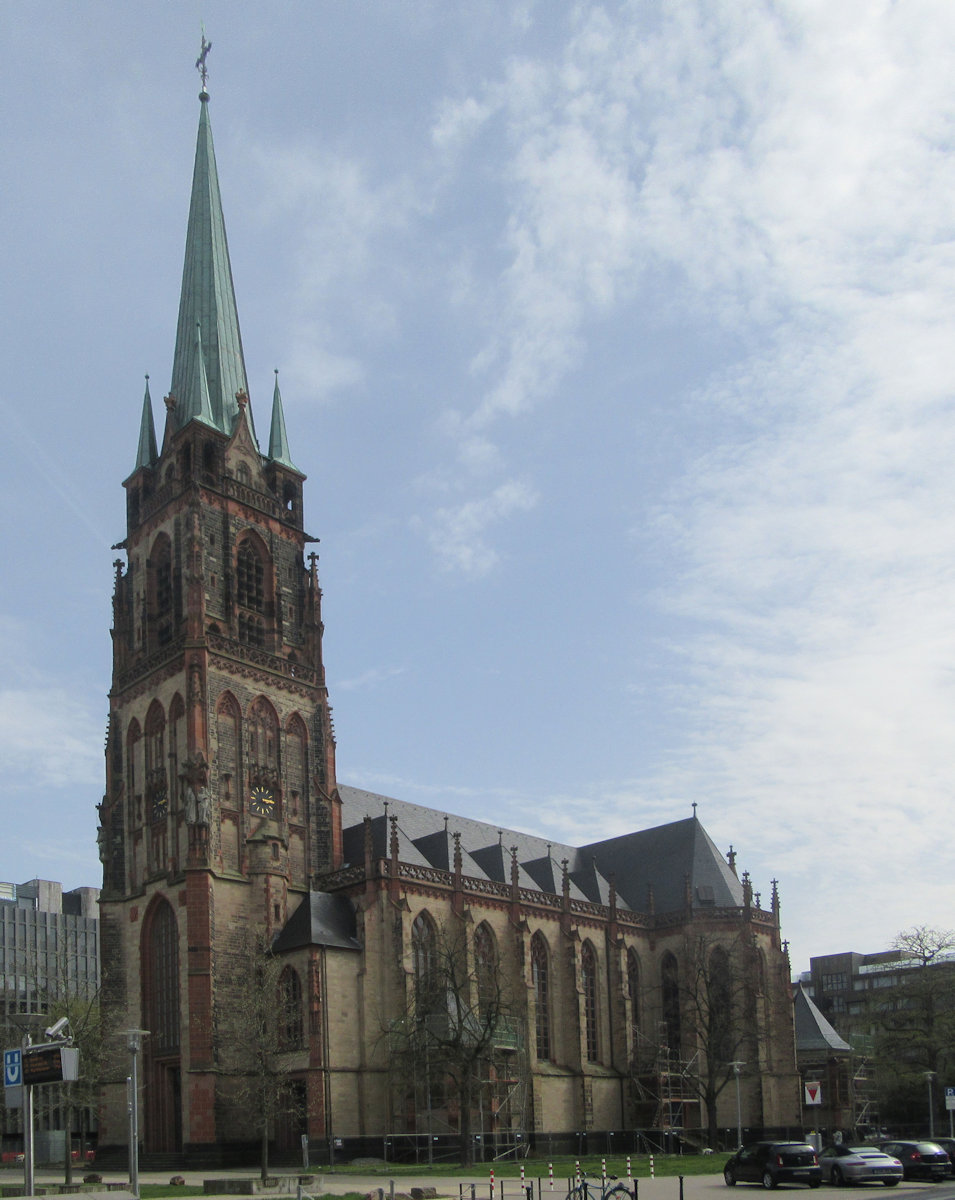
(772, 1163)
(920, 1160)
(859, 1164)
(948, 1145)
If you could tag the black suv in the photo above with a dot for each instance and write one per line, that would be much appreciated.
(920, 1160)
(772, 1163)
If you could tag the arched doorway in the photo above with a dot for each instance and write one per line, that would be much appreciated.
(162, 1074)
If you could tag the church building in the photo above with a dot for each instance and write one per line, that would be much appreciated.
(633, 983)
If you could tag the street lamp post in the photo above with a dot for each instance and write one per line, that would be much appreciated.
(737, 1066)
(929, 1076)
(134, 1043)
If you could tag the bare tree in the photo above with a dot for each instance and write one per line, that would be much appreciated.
(447, 1044)
(717, 999)
(257, 1061)
(916, 1018)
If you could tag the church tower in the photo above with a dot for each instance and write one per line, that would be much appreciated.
(221, 805)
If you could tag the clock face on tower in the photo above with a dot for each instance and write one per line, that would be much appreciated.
(160, 805)
(262, 802)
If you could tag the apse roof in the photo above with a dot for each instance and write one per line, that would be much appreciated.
(813, 1031)
(320, 920)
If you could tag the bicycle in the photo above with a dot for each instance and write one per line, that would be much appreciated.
(612, 1187)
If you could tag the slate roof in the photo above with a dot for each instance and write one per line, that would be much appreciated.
(813, 1031)
(659, 858)
(320, 920)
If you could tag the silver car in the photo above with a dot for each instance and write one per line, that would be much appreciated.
(859, 1164)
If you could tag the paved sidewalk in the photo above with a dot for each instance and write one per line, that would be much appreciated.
(320, 1183)
(695, 1187)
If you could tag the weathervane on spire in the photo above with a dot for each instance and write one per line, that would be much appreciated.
(201, 60)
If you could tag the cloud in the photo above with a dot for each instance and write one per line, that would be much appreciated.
(48, 738)
(340, 215)
(371, 678)
(781, 174)
(458, 534)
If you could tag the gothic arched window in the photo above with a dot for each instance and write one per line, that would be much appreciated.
(250, 579)
(588, 972)
(157, 784)
(633, 991)
(251, 586)
(540, 977)
(720, 1008)
(670, 995)
(424, 954)
(263, 736)
(159, 589)
(161, 979)
(134, 782)
(291, 1027)
(296, 763)
(486, 969)
(177, 745)
(228, 742)
(264, 792)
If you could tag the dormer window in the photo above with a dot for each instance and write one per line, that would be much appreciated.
(243, 474)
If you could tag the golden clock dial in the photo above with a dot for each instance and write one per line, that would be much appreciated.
(262, 802)
(160, 805)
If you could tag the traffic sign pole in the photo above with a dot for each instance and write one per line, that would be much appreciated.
(27, 1129)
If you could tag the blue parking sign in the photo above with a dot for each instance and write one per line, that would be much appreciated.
(12, 1068)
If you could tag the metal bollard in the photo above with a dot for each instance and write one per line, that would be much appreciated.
(681, 1187)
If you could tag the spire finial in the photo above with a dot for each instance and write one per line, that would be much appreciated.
(201, 66)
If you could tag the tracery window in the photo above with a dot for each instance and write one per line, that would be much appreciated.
(720, 1007)
(160, 584)
(263, 736)
(157, 796)
(133, 781)
(177, 735)
(291, 1025)
(296, 763)
(162, 980)
(540, 977)
(251, 630)
(633, 991)
(588, 971)
(670, 990)
(250, 579)
(424, 954)
(250, 589)
(228, 727)
(486, 969)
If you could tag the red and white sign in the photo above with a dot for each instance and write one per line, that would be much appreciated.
(813, 1092)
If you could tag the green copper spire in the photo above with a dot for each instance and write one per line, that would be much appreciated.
(207, 300)
(278, 440)
(200, 385)
(147, 452)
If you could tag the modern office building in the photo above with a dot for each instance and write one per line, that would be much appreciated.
(49, 964)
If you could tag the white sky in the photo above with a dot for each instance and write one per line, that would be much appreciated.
(616, 341)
